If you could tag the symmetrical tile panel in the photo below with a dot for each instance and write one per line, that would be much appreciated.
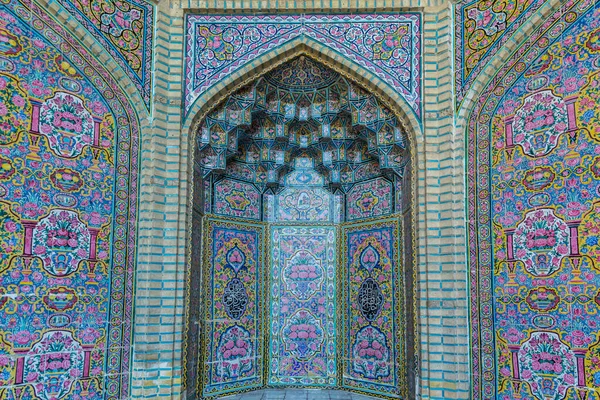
(534, 212)
(388, 45)
(68, 198)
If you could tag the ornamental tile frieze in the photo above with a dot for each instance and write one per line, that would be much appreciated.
(388, 45)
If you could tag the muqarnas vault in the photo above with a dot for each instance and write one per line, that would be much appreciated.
(303, 177)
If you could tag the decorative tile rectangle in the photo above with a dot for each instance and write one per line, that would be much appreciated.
(372, 198)
(233, 307)
(374, 324)
(304, 205)
(388, 45)
(237, 199)
(68, 205)
(302, 345)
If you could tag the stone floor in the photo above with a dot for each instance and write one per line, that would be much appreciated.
(297, 394)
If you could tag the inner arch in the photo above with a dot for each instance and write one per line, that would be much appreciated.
(303, 46)
(302, 174)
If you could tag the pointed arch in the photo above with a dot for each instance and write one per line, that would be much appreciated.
(489, 124)
(110, 155)
(302, 45)
(197, 225)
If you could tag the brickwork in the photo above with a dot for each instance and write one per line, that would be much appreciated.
(158, 340)
(441, 265)
(439, 210)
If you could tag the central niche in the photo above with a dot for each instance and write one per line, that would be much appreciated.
(303, 179)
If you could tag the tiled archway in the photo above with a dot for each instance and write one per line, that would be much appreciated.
(261, 158)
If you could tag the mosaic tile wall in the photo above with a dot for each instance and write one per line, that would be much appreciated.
(233, 310)
(159, 361)
(68, 192)
(373, 319)
(370, 199)
(389, 45)
(534, 207)
(305, 344)
(302, 342)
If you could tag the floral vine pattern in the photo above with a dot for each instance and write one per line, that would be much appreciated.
(15, 107)
(373, 328)
(303, 316)
(482, 26)
(68, 196)
(125, 29)
(369, 199)
(534, 197)
(386, 45)
(233, 342)
(237, 199)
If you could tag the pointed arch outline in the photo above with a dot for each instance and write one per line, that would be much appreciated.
(477, 96)
(414, 134)
(126, 104)
(303, 45)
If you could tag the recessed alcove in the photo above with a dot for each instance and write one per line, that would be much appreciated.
(301, 253)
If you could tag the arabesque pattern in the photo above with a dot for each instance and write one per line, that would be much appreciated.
(368, 199)
(234, 289)
(374, 311)
(534, 202)
(388, 45)
(68, 196)
(235, 198)
(303, 325)
(481, 28)
(125, 29)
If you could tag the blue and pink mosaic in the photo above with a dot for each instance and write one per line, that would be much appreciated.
(388, 45)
